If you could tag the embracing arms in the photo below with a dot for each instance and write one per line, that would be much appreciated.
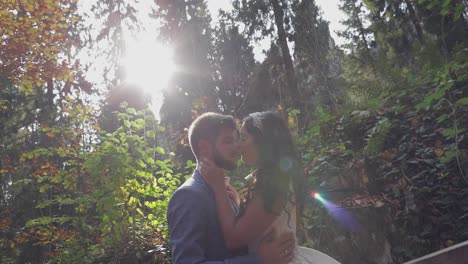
(240, 231)
(188, 231)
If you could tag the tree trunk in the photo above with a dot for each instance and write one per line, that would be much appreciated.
(414, 19)
(286, 55)
(288, 65)
(362, 34)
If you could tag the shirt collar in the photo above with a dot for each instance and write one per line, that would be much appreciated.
(199, 179)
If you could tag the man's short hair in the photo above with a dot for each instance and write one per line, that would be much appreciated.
(207, 127)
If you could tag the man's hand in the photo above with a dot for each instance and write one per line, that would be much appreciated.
(278, 251)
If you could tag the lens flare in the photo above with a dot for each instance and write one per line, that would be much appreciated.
(316, 195)
(340, 214)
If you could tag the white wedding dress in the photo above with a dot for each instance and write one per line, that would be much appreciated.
(287, 222)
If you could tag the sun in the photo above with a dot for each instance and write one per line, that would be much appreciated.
(149, 65)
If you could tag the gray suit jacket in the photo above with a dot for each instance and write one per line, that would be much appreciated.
(194, 231)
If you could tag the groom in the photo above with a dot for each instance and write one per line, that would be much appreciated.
(194, 231)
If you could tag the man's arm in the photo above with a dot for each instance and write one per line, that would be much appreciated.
(188, 231)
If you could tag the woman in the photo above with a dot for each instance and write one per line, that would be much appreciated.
(269, 208)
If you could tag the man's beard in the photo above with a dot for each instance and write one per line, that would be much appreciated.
(221, 162)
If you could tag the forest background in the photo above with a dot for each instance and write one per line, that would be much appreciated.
(87, 168)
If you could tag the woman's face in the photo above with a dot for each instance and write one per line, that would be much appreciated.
(248, 147)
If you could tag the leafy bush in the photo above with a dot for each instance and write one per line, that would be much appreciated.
(102, 200)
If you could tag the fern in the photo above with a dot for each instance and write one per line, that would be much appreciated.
(377, 136)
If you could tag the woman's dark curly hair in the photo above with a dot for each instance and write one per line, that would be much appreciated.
(278, 162)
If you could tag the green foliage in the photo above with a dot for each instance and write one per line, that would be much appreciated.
(446, 79)
(446, 7)
(314, 135)
(132, 183)
(377, 136)
(414, 157)
(110, 196)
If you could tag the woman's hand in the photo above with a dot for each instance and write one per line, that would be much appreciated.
(212, 174)
(232, 193)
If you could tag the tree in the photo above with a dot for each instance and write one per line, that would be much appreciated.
(119, 21)
(186, 27)
(40, 75)
(266, 88)
(33, 37)
(317, 59)
(444, 20)
(233, 66)
(262, 17)
(359, 36)
(117, 18)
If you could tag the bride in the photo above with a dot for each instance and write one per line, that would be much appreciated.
(269, 208)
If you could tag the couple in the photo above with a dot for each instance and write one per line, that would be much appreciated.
(207, 222)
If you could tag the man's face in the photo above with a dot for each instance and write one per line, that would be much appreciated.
(226, 149)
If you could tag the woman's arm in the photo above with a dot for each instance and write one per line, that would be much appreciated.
(239, 232)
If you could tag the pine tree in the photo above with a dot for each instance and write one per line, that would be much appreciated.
(186, 27)
(316, 57)
(234, 65)
(273, 19)
(359, 35)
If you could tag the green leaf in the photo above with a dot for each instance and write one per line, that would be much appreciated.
(445, 10)
(462, 101)
(452, 132)
(432, 4)
(442, 118)
(105, 218)
(150, 134)
(150, 161)
(46, 220)
(161, 164)
(190, 164)
(131, 111)
(162, 181)
(44, 188)
(141, 164)
(160, 150)
(458, 11)
(140, 211)
(140, 121)
(151, 205)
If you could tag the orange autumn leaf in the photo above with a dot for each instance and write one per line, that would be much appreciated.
(33, 35)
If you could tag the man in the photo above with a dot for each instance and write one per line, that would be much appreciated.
(194, 231)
